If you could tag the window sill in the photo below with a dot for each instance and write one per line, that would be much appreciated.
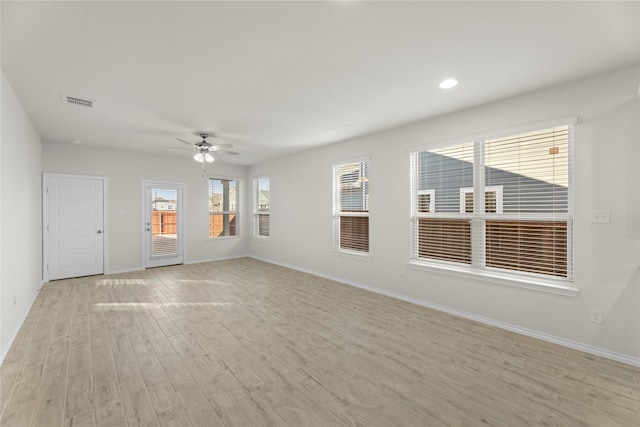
(262, 238)
(558, 287)
(353, 254)
(217, 239)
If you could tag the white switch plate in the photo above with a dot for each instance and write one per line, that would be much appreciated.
(595, 316)
(600, 217)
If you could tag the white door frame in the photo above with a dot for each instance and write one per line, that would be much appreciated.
(182, 226)
(45, 218)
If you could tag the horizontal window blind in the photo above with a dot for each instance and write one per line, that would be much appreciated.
(262, 205)
(440, 176)
(354, 233)
(531, 246)
(351, 206)
(223, 204)
(533, 170)
(502, 203)
(445, 172)
(445, 239)
(263, 225)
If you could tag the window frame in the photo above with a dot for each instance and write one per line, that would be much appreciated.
(256, 208)
(236, 212)
(521, 279)
(338, 213)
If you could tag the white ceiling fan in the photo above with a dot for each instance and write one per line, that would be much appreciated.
(204, 150)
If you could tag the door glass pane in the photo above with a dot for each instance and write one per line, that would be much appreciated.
(164, 230)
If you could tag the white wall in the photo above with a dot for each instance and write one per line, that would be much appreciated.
(125, 172)
(20, 215)
(607, 256)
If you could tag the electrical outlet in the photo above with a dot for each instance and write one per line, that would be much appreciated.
(401, 276)
(595, 316)
(600, 217)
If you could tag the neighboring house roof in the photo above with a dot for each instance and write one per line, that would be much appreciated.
(263, 197)
(513, 184)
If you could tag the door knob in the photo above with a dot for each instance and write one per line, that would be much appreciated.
(99, 231)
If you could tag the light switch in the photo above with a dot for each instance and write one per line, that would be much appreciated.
(600, 217)
(120, 212)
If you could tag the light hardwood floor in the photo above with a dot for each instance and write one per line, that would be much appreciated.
(242, 342)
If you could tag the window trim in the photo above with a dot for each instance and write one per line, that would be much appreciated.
(237, 211)
(520, 279)
(490, 276)
(567, 121)
(337, 213)
(256, 208)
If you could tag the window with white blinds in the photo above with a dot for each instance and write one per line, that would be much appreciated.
(262, 202)
(223, 207)
(351, 206)
(502, 203)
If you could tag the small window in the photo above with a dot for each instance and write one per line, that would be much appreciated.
(223, 213)
(351, 206)
(426, 201)
(262, 203)
(492, 199)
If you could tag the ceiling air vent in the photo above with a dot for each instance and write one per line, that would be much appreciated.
(72, 100)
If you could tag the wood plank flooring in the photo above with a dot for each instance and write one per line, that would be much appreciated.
(246, 343)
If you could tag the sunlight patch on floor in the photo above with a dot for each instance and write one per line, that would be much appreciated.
(112, 282)
(152, 305)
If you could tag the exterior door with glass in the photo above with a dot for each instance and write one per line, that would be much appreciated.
(163, 223)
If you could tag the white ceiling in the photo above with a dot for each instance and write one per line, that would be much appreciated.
(278, 77)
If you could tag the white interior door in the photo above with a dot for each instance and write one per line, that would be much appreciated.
(163, 229)
(74, 226)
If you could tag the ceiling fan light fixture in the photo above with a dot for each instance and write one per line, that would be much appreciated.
(202, 157)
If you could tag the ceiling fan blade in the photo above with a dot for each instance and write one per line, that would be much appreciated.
(217, 147)
(184, 142)
(228, 153)
(178, 148)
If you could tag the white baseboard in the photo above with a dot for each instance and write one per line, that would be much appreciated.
(597, 351)
(15, 333)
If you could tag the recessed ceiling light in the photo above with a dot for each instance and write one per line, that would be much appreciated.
(448, 83)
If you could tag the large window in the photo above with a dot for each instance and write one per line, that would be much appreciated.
(223, 207)
(262, 202)
(351, 206)
(502, 203)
